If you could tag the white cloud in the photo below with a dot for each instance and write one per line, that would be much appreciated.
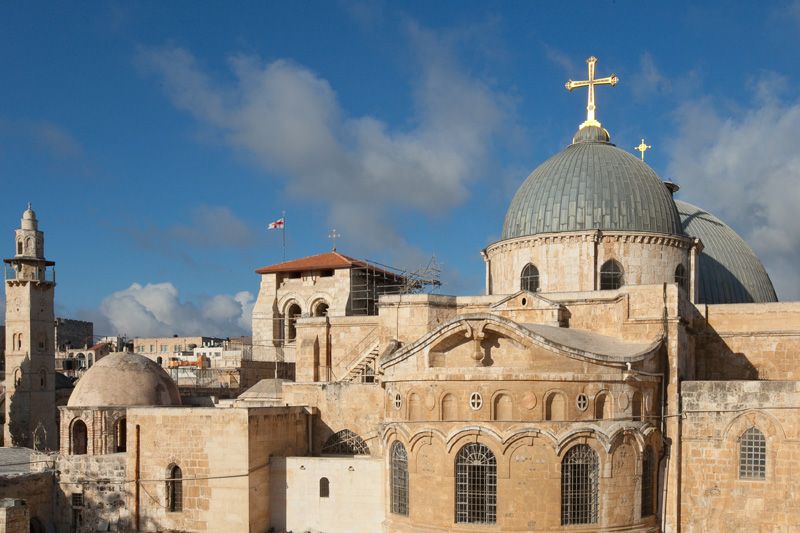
(289, 120)
(649, 80)
(156, 309)
(745, 168)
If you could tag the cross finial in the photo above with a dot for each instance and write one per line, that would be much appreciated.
(333, 235)
(590, 83)
(642, 148)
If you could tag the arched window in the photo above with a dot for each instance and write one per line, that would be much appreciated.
(79, 437)
(324, 487)
(503, 407)
(555, 407)
(476, 485)
(529, 281)
(579, 486)
(320, 309)
(19, 247)
(680, 277)
(647, 481)
(752, 455)
(292, 312)
(636, 406)
(399, 479)
(174, 489)
(345, 442)
(414, 407)
(449, 407)
(42, 378)
(602, 407)
(17, 377)
(611, 276)
(120, 435)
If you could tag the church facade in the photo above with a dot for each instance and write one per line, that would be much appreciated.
(627, 368)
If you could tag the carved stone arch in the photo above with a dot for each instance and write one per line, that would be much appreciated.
(315, 300)
(395, 432)
(585, 435)
(604, 410)
(414, 405)
(286, 300)
(425, 436)
(587, 438)
(547, 405)
(618, 436)
(448, 400)
(461, 436)
(765, 422)
(497, 411)
(523, 437)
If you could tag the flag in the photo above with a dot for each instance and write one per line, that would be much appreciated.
(278, 224)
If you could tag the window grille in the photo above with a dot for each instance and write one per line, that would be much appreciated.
(345, 442)
(579, 486)
(680, 277)
(582, 402)
(324, 487)
(529, 281)
(398, 401)
(476, 485)
(610, 275)
(752, 455)
(399, 479)
(475, 401)
(174, 489)
(77, 499)
(647, 481)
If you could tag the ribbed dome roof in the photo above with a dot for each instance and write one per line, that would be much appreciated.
(592, 184)
(124, 379)
(729, 270)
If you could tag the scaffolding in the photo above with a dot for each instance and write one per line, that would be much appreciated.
(369, 280)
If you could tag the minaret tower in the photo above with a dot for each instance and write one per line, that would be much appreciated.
(30, 328)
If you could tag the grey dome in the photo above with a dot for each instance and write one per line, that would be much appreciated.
(124, 379)
(729, 270)
(592, 184)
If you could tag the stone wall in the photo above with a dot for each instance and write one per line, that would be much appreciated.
(100, 483)
(224, 457)
(572, 261)
(14, 516)
(748, 341)
(714, 497)
(355, 502)
(36, 488)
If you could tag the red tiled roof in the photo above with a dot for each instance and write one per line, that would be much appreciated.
(100, 345)
(326, 261)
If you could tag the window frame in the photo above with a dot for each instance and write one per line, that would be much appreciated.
(475, 485)
(580, 486)
(399, 480)
(611, 280)
(752, 455)
(529, 278)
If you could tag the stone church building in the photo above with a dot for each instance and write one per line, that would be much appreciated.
(627, 368)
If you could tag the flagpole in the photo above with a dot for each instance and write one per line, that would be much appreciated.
(283, 233)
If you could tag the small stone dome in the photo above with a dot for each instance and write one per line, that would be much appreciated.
(730, 272)
(589, 185)
(124, 379)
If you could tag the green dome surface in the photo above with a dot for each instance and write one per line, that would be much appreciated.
(730, 272)
(592, 184)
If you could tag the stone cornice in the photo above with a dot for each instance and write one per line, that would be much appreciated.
(573, 237)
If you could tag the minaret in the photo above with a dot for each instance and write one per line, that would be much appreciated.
(30, 328)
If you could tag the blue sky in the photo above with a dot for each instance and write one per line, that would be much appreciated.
(157, 140)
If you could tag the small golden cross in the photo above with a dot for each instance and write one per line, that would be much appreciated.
(590, 83)
(642, 148)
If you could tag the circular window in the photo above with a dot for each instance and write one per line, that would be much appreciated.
(582, 402)
(398, 401)
(475, 401)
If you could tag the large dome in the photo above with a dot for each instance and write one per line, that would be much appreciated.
(729, 270)
(592, 184)
(124, 379)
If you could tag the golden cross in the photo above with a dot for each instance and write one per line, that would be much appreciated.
(642, 148)
(590, 83)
